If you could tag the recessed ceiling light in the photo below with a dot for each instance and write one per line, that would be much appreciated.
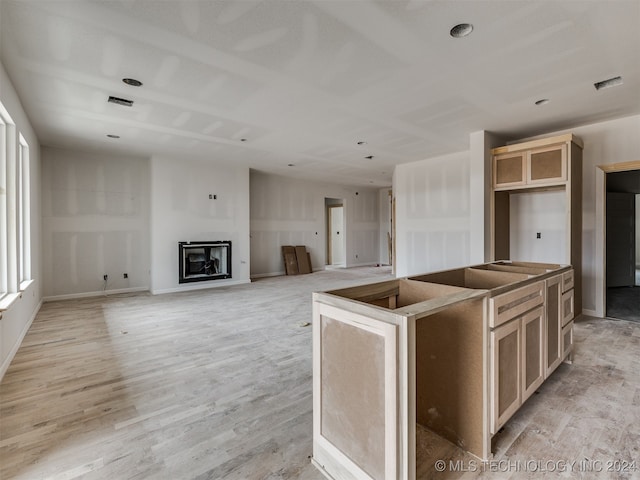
(369, 157)
(243, 139)
(611, 82)
(110, 135)
(120, 101)
(362, 143)
(290, 165)
(542, 101)
(461, 30)
(132, 81)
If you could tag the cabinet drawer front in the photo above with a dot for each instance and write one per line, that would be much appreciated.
(567, 281)
(567, 307)
(567, 339)
(513, 304)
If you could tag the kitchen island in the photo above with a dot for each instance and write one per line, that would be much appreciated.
(457, 351)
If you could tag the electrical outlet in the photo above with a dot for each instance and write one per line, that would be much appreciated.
(538, 235)
(105, 277)
(125, 275)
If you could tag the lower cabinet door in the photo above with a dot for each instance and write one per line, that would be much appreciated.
(553, 330)
(532, 325)
(567, 340)
(506, 345)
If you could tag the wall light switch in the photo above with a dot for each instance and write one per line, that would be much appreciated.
(538, 235)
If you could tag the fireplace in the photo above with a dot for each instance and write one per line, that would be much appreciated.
(202, 261)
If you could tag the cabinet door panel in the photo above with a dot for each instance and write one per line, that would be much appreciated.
(553, 324)
(509, 170)
(532, 352)
(506, 370)
(547, 165)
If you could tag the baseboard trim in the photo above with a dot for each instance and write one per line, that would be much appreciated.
(5, 365)
(591, 313)
(101, 293)
(191, 287)
(265, 275)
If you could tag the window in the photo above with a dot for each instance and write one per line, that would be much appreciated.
(3, 205)
(15, 216)
(23, 213)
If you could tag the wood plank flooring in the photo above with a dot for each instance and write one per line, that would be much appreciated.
(216, 384)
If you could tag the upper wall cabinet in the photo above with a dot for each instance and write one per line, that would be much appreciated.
(536, 166)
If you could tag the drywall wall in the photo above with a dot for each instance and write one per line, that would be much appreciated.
(480, 145)
(610, 142)
(433, 223)
(95, 222)
(385, 224)
(17, 318)
(181, 210)
(540, 213)
(287, 211)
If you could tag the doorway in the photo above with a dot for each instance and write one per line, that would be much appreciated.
(336, 245)
(622, 234)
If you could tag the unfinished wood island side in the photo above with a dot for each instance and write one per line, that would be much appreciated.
(456, 351)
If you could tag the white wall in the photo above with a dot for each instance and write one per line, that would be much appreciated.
(433, 222)
(286, 211)
(384, 218)
(95, 221)
(182, 211)
(17, 318)
(533, 213)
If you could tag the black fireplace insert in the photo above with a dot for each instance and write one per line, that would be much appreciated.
(202, 261)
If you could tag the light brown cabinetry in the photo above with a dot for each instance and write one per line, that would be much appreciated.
(456, 352)
(509, 170)
(568, 314)
(538, 166)
(517, 364)
(553, 305)
(506, 370)
(541, 165)
(532, 352)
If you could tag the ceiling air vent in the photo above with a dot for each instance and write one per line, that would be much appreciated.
(121, 101)
(611, 82)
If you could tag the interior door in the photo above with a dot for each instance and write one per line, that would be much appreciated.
(336, 235)
(620, 238)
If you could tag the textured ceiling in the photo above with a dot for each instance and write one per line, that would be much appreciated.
(304, 81)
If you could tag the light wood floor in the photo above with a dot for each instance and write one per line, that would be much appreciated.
(216, 384)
